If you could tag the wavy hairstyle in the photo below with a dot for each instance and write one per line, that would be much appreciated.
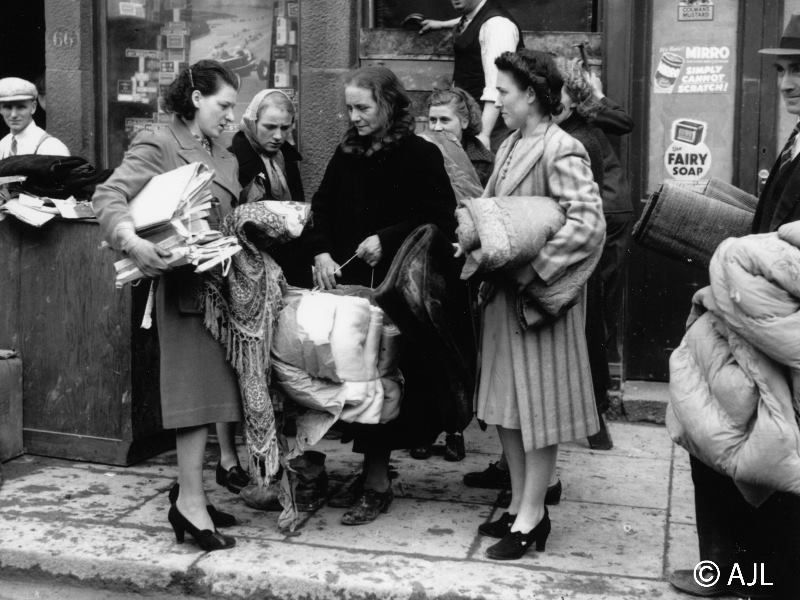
(538, 71)
(394, 109)
(463, 104)
(205, 76)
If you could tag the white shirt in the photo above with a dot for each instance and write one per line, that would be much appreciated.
(27, 141)
(497, 35)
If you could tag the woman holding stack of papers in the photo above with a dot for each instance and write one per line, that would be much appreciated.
(198, 386)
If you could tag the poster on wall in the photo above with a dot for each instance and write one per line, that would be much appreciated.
(692, 92)
(695, 10)
(256, 40)
(688, 158)
(693, 70)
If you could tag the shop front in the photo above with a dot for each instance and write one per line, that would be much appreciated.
(704, 102)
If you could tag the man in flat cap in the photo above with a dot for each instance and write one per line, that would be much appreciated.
(734, 535)
(17, 105)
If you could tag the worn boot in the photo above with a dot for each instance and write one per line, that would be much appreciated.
(311, 480)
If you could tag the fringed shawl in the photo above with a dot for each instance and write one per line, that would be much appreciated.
(241, 311)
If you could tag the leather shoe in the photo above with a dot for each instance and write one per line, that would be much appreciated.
(499, 528)
(261, 498)
(234, 478)
(454, 447)
(683, 580)
(421, 452)
(368, 506)
(219, 518)
(491, 477)
(602, 439)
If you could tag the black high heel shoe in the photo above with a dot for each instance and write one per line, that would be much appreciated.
(207, 540)
(498, 528)
(234, 478)
(219, 518)
(515, 543)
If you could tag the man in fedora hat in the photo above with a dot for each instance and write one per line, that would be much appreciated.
(763, 542)
(17, 105)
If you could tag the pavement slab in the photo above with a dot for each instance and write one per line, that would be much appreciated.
(625, 520)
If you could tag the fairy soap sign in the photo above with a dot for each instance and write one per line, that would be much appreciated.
(695, 10)
(688, 158)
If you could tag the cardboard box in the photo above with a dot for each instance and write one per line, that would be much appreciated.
(10, 405)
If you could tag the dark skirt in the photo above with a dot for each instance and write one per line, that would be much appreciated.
(198, 385)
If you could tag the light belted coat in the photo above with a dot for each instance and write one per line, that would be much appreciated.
(537, 379)
(198, 386)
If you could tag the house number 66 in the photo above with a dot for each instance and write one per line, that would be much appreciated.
(64, 38)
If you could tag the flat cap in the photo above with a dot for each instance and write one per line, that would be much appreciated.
(14, 88)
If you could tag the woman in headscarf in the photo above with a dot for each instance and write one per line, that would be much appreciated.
(268, 169)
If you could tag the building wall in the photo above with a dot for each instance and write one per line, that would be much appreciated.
(69, 56)
(328, 50)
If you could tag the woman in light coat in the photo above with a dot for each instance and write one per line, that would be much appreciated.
(535, 384)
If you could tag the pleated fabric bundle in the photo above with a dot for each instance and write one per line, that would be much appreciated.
(730, 194)
(688, 226)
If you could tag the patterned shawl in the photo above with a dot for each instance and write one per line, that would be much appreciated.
(241, 311)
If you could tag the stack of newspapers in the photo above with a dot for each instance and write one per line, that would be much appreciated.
(171, 212)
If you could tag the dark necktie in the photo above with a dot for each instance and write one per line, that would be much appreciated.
(786, 153)
(13, 145)
(461, 26)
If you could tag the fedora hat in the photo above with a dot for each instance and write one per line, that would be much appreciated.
(790, 40)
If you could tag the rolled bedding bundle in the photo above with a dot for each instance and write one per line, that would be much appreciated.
(506, 231)
(336, 354)
(688, 226)
(735, 378)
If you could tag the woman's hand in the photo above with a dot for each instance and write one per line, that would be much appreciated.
(148, 257)
(370, 250)
(325, 271)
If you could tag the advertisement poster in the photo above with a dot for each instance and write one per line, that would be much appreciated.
(693, 70)
(692, 92)
(695, 10)
(688, 158)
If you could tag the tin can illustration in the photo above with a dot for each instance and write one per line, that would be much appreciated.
(668, 70)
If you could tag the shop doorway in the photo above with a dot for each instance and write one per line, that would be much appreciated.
(740, 127)
(22, 32)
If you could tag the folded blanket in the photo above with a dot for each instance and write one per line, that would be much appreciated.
(54, 176)
(688, 226)
(424, 297)
(332, 353)
(734, 380)
(506, 231)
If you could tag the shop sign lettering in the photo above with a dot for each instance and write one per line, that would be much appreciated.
(693, 70)
(695, 10)
(688, 158)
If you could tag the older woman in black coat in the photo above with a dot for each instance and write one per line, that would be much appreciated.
(382, 182)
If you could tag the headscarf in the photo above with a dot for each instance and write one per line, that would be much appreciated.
(274, 164)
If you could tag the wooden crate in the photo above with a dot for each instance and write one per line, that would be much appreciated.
(90, 377)
(10, 406)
